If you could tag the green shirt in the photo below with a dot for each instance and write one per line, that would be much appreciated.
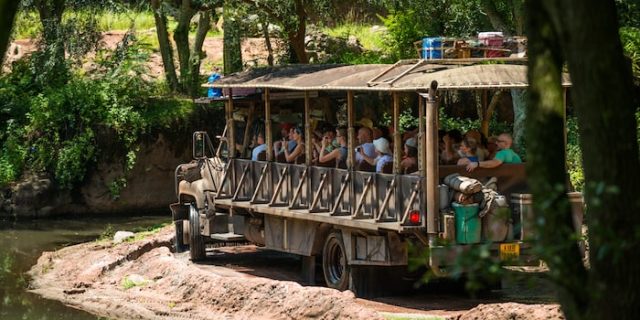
(508, 156)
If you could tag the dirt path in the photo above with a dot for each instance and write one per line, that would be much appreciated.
(254, 51)
(145, 280)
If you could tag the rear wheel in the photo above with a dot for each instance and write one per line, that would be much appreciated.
(334, 262)
(196, 245)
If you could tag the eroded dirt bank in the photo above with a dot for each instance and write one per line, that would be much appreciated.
(145, 280)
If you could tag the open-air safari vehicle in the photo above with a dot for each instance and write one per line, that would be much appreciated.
(350, 219)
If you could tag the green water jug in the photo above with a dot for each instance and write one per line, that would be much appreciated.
(468, 224)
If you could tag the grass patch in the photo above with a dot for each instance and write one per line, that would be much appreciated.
(142, 232)
(129, 282)
(369, 40)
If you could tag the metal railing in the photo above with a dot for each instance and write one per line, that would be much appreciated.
(359, 195)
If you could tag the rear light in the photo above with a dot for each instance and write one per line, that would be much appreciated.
(414, 217)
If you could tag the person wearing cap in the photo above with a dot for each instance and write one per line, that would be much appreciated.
(409, 163)
(383, 154)
(366, 146)
(286, 131)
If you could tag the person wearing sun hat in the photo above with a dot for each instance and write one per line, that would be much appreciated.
(383, 154)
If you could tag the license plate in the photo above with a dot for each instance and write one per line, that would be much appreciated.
(509, 251)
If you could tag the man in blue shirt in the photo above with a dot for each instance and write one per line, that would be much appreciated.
(260, 146)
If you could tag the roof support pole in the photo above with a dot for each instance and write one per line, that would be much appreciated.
(351, 156)
(432, 162)
(308, 144)
(397, 137)
(421, 140)
(268, 135)
(231, 138)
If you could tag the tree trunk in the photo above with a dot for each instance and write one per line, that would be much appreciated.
(496, 20)
(605, 105)
(204, 24)
(232, 54)
(546, 163)
(8, 9)
(50, 12)
(517, 13)
(181, 38)
(166, 49)
(267, 41)
(296, 38)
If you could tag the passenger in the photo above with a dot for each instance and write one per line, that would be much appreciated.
(366, 146)
(409, 163)
(504, 155)
(383, 154)
(298, 137)
(339, 152)
(468, 149)
(285, 132)
(327, 133)
(260, 147)
(481, 144)
(451, 142)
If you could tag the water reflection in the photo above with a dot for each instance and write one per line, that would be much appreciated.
(22, 242)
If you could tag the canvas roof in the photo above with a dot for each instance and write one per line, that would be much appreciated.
(359, 77)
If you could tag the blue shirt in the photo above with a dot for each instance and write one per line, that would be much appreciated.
(369, 150)
(257, 150)
(381, 160)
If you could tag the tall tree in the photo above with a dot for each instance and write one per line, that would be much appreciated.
(292, 16)
(189, 55)
(605, 104)
(8, 9)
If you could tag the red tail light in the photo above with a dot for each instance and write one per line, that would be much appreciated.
(414, 217)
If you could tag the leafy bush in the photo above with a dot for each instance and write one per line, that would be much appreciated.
(63, 127)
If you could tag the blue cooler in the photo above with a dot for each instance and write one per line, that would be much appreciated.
(432, 48)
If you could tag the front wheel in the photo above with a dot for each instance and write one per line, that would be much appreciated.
(196, 245)
(334, 262)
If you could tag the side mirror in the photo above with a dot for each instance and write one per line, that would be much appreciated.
(199, 145)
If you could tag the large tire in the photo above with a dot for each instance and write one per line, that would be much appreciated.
(196, 245)
(335, 267)
(178, 241)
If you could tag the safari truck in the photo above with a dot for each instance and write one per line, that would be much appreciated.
(350, 221)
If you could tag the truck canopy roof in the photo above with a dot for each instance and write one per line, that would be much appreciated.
(407, 76)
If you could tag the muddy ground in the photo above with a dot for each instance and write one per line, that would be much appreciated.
(144, 280)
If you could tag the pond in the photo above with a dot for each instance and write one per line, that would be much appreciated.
(23, 241)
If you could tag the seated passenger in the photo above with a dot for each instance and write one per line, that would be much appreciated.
(468, 149)
(451, 141)
(504, 155)
(366, 145)
(298, 152)
(260, 147)
(383, 154)
(339, 152)
(327, 133)
(481, 144)
(409, 163)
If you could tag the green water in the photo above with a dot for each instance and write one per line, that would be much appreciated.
(22, 242)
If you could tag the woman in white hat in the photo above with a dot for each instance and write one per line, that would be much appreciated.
(383, 154)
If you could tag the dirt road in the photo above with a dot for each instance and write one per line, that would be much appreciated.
(145, 280)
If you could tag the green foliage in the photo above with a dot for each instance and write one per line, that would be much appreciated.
(63, 127)
(630, 37)
(574, 155)
(463, 125)
(410, 21)
(108, 233)
(369, 40)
